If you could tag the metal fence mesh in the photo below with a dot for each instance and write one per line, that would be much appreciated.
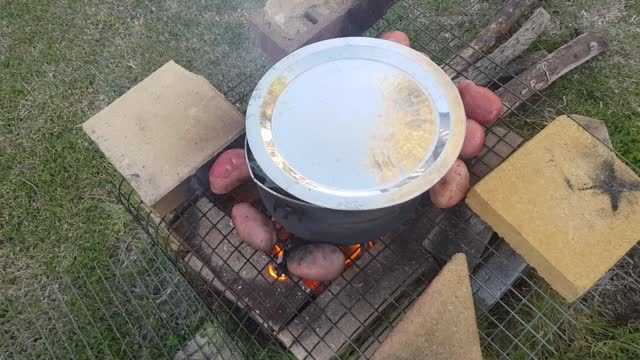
(186, 287)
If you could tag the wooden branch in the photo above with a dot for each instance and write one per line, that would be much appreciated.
(523, 63)
(519, 65)
(552, 67)
(488, 37)
(491, 67)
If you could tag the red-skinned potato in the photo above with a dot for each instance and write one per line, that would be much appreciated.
(253, 227)
(480, 103)
(452, 188)
(397, 37)
(473, 140)
(319, 262)
(228, 171)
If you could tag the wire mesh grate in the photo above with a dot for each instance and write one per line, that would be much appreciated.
(351, 318)
(232, 307)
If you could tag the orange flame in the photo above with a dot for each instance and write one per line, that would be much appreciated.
(277, 251)
(352, 253)
(274, 274)
(312, 284)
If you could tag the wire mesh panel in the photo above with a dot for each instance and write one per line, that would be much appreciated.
(529, 321)
(157, 312)
(350, 317)
(237, 304)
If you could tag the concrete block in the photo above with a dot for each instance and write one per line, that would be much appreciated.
(284, 25)
(495, 276)
(458, 230)
(596, 127)
(442, 322)
(565, 203)
(162, 130)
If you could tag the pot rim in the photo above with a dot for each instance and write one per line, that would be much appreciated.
(265, 188)
(384, 167)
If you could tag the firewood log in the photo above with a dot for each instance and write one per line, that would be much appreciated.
(551, 68)
(489, 36)
(493, 66)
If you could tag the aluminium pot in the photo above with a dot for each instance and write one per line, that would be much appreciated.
(319, 224)
(343, 136)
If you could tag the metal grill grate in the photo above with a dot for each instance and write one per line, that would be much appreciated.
(232, 308)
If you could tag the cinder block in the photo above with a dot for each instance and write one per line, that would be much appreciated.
(596, 127)
(284, 25)
(162, 130)
(495, 276)
(442, 322)
(458, 230)
(566, 203)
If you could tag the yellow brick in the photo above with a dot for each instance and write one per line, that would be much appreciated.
(442, 322)
(162, 130)
(564, 202)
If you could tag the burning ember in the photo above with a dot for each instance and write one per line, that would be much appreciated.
(353, 252)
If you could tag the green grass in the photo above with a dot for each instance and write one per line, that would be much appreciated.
(60, 225)
(591, 335)
(608, 88)
(61, 62)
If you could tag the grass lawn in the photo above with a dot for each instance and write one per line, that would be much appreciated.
(60, 225)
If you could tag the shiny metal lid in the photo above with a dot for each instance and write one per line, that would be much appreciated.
(355, 123)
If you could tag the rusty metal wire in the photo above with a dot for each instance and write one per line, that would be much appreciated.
(190, 289)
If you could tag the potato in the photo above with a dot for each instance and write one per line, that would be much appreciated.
(319, 262)
(228, 171)
(480, 103)
(473, 140)
(397, 37)
(253, 227)
(452, 188)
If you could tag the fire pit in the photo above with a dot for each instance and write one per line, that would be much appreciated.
(322, 319)
(315, 318)
(352, 315)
